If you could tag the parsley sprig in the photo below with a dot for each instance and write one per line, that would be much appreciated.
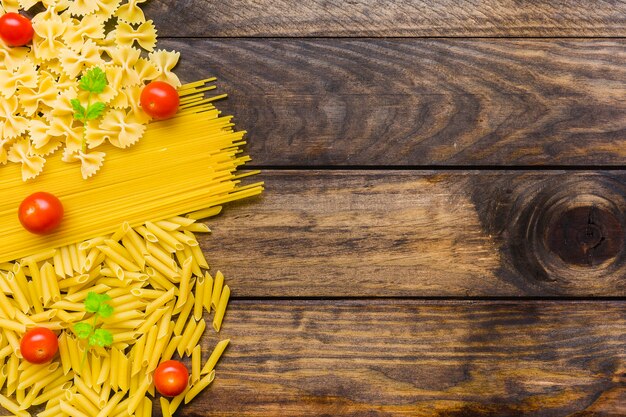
(97, 304)
(93, 81)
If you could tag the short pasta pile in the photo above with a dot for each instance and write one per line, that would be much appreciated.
(158, 280)
(38, 82)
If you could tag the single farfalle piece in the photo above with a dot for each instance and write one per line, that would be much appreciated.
(74, 63)
(43, 143)
(11, 124)
(165, 61)
(24, 75)
(118, 127)
(90, 162)
(61, 117)
(77, 31)
(146, 69)
(106, 8)
(46, 93)
(12, 57)
(145, 35)
(131, 12)
(133, 101)
(121, 72)
(32, 164)
(49, 27)
(82, 7)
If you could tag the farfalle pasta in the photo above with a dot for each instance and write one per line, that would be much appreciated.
(39, 81)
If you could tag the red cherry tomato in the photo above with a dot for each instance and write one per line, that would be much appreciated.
(39, 345)
(15, 29)
(170, 378)
(40, 213)
(160, 100)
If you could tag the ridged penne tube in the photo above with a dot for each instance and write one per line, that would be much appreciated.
(71, 410)
(84, 404)
(139, 395)
(208, 291)
(135, 252)
(64, 353)
(17, 293)
(137, 355)
(76, 266)
(183, 315)
(199, 298)
(197, 253)
(196, 363)
(168, 225)
(107, 410)
(159, 302)
(172, 346)
(12, 407)
(6, 306)
(110, 251)
(159, 266)
(151, 339)
(44, 374)
(186, 336)
(55, 391)
(50, 284)
(178, 400)
(185, 278)
(221, 308)
(165, 407)
(41, 256)
(89, 393)
(195, 336)
(163, 236)
(12, 325)
(217, 289)
(199, 386)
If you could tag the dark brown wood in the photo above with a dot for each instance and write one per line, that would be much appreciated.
(388, 18)
(421, 233)
(420, 101)
(411, 358)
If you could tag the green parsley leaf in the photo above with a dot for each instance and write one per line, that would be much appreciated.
(83, 330)
(95, 110)
(105, 310)
(94, 301)
(93, 81)
(101, 337)
(79, 110)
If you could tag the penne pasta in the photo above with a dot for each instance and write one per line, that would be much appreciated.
(221, 308)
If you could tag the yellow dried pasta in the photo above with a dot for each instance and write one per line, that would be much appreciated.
(108, 381)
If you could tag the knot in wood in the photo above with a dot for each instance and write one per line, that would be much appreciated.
(586, 235)
(567, 226)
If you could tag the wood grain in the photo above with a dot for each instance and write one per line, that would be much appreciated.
(420, 233)
(410, 358)
(451, 18)
(420, 102)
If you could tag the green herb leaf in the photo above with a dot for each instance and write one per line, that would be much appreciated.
(95, 110)
(79, 110)
(101, 337)
(105, 310)
(94, 302)
(83, 330)
(93, 81)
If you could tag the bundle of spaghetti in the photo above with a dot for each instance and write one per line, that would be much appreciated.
(182, 165)
(160, 291)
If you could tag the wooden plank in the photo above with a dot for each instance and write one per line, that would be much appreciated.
(420, 101)
(420, 233)
(451, 18)
(412, 358)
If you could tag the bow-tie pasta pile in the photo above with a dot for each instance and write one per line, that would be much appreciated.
(38, 82)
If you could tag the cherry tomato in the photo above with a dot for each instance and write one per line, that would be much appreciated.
(15, 29)
(40, 213)
(39, 345)
(160, 100)
(170, 378)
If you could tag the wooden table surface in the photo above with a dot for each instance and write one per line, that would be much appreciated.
(443, 228)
